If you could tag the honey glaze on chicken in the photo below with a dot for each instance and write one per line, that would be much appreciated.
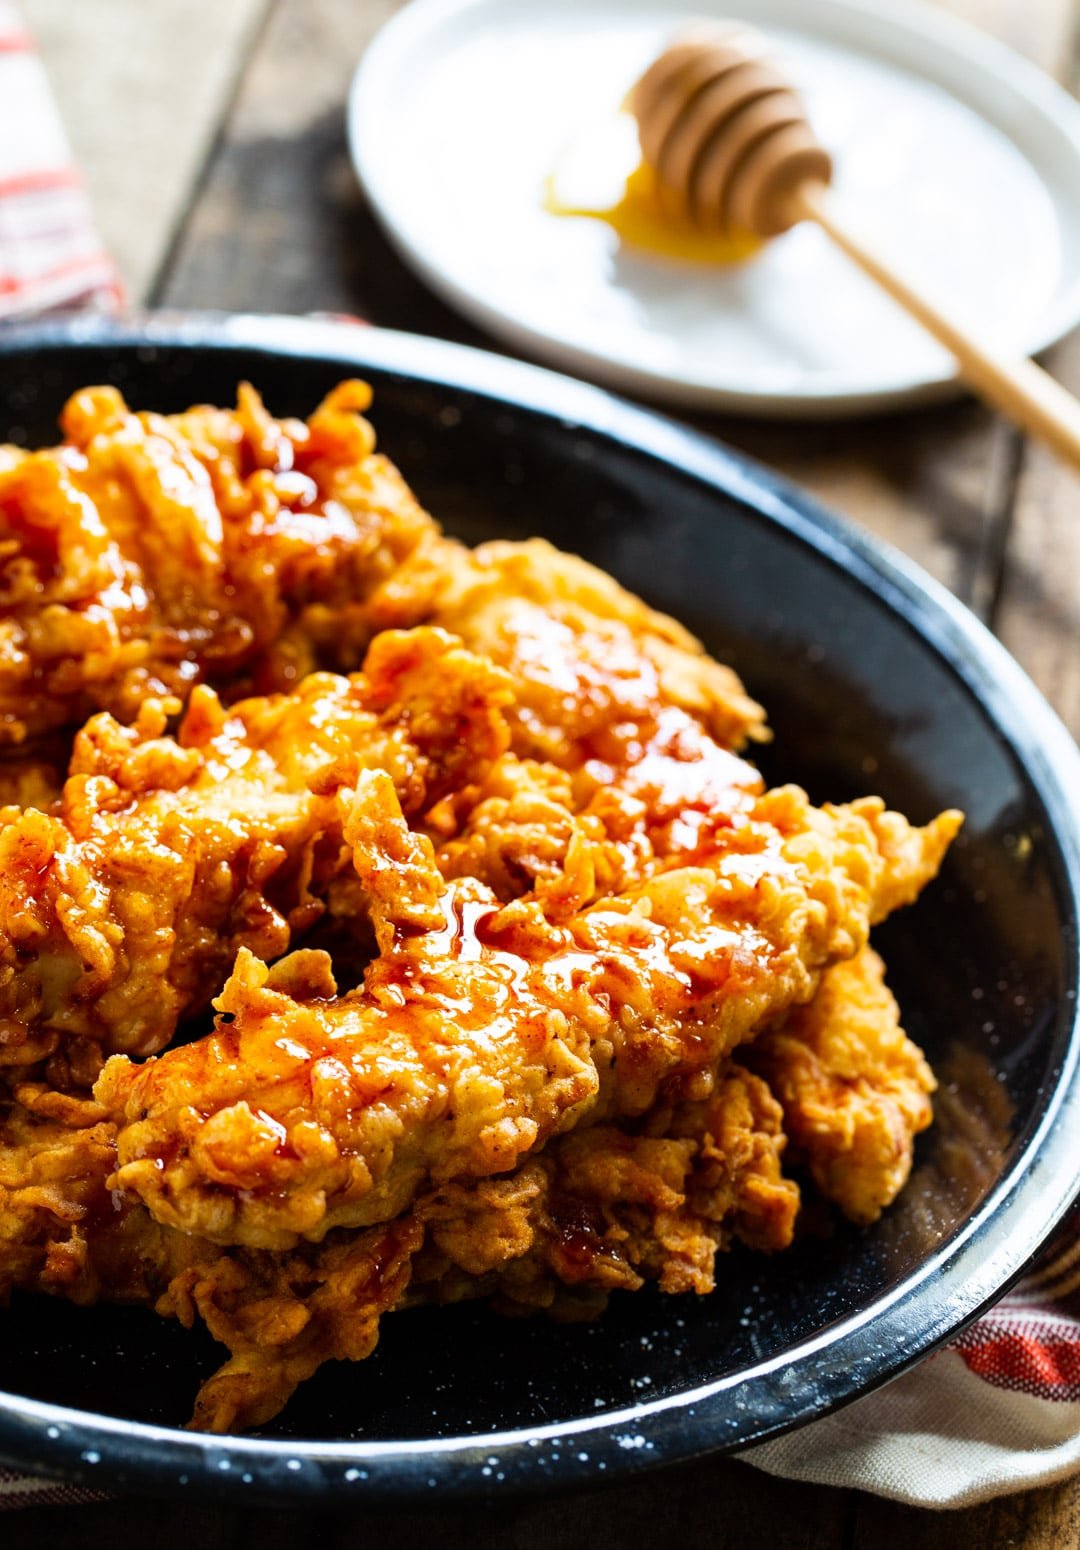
(599, 974)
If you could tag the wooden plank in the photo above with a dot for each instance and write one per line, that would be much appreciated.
(1038, 611)
(142, 89)
(161, 1525)
(722, 1505)
(281, 224)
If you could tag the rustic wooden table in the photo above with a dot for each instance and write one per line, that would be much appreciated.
(212, 136)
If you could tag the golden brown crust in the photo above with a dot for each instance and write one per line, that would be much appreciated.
(480, 1031)
(854, 1088)
(594, 1213)
(148, 553)
(590, 660)
(123, 909)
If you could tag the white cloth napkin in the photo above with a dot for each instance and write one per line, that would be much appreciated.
(997, 1411)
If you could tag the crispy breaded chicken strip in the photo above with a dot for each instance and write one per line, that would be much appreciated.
(480, 1031)
(148, 553)
(596, 1212)
(56, 1155)
(123, 911)
(594, 667)
(570, 838)
(575, 835)
(167, 855)
(854, 1088)
(620, 1207)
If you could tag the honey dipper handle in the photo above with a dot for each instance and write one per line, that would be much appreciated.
(1020, 389)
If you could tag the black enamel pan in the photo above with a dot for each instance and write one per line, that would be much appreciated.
(874, 679)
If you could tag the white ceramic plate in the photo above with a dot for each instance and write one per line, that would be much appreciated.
(955, 155)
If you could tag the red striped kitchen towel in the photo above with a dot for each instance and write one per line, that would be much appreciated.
(996, 1411)
(50, 253)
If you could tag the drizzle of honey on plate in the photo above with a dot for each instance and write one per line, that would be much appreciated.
(602, 177)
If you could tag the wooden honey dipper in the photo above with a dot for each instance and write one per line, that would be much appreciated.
(728, 140)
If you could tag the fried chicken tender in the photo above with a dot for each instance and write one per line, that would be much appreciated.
(124, 911)
(599, 1209)
(480, 1031)
(619, 1207)
(148, 553)
(594, 667)
(572, 837)
(854, 1088)
(159, 865)
(597, 1212)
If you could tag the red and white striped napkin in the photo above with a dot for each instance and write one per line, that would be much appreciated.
(50, 253)
(999, 1409)
(996, 1411)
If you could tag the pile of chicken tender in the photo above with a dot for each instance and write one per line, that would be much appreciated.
(385, 922)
